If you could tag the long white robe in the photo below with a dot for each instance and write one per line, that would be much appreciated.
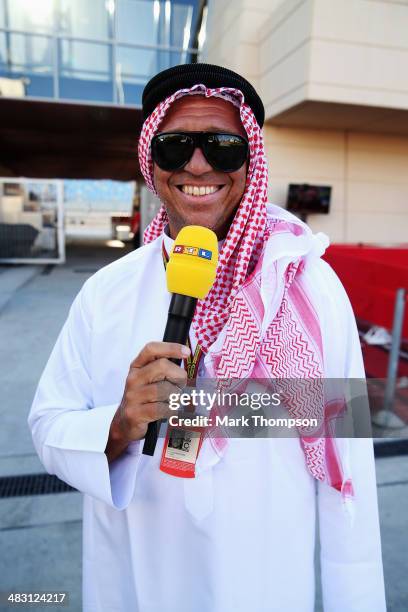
(241, 535)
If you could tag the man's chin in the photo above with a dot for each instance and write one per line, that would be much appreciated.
(220, 229)
(194, 219)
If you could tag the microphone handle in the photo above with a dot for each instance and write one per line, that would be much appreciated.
(181, 312)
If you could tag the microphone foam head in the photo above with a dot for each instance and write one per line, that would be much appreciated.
(193, 262)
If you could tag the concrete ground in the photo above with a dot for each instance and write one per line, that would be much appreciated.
(40, 536)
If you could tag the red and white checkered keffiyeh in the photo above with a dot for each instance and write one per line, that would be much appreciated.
(258, 320)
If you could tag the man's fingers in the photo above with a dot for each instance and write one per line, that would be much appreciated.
(155, 411)
(151, 380)
(162, 369)
(159, 392)
(157, 350)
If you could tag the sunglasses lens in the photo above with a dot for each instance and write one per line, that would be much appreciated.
(226, 152)
(172, 151)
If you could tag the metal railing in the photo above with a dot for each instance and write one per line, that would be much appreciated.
(387, 417)
(114, 74)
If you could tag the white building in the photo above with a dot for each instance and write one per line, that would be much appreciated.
(333, 75)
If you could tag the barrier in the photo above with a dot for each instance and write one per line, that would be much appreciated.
(386, 417)
(31, 221)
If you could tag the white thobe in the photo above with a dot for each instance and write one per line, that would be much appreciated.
(238, 537)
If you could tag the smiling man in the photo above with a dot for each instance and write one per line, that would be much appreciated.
(239, 534)
(198, 193)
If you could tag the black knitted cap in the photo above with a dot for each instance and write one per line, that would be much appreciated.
(182, 76)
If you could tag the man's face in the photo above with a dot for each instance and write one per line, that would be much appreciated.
(215, 210)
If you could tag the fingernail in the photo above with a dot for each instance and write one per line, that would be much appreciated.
(185, 351)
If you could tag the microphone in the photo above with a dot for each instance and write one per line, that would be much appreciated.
(190, 274)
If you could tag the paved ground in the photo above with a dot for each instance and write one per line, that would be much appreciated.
(40, 536)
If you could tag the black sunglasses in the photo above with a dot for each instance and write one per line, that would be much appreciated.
(225, 152)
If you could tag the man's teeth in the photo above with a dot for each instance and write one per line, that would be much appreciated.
(199, 191)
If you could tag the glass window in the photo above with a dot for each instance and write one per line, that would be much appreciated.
(85, 71)
(138, 21)
(2, 16)
(30, 53)
(3, 53)
(135, 67)
(182, 25)
(139, 63)
(40, 195)
(31, 15)
(83, 59)
(86, 18)
(28, 57)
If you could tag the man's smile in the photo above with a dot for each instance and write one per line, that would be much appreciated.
(191, 193)
(199, 190)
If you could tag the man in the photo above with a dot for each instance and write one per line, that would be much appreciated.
(240, 534)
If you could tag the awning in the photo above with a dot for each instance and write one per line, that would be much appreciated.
(41, 139)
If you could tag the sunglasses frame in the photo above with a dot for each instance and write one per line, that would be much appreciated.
(199, 141)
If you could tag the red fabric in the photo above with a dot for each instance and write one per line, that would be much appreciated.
(371, 276)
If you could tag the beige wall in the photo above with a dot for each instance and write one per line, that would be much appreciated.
(232, 34)
(285, 42)
(339, 51)
(368, 174)
(349, 51)
(359, 52)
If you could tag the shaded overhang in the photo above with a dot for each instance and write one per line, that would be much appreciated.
(339, 116)
(42, 139)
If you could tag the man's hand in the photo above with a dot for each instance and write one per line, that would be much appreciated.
(151, 380)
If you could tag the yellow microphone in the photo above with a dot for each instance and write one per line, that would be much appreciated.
(190, 274)
(193, 262)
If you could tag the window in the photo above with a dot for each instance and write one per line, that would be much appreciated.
(86, 18)
(3, 54)
(30, 53)
(182, 26)
(30, 15)
(138, 21)
(96, 50)
(134, 67)
(23, 55)
(2, 14)
(85, 71)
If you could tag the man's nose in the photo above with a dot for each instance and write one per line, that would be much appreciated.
(198, 164)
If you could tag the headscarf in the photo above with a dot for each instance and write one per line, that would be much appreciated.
(257, 320)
